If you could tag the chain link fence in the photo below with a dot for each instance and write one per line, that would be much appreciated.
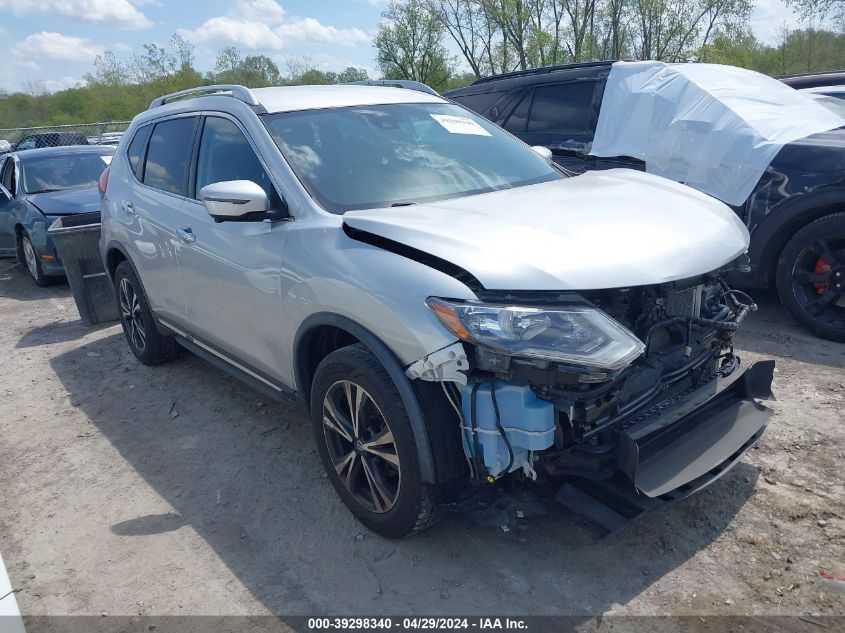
(51, 136)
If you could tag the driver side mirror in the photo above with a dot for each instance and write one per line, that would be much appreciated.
(545, 152)
(234, 200)
(5, 196)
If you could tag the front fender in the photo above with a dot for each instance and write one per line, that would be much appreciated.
(35, 224)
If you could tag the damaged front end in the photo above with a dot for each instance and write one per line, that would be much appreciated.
(634, 390)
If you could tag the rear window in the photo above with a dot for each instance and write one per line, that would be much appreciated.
(169, 154)
(562, 109)
(136, 147)
(57, 173)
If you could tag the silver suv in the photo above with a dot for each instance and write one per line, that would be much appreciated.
(449, 308)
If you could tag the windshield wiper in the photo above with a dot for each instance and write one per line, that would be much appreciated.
(402, 204)
(44, 191)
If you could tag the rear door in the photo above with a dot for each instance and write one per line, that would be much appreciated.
(230, 270)
(8, 186)
(158, 191)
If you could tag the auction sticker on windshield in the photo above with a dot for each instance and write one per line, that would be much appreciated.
(460, 125)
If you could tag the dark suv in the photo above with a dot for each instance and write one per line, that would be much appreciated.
(794, 213)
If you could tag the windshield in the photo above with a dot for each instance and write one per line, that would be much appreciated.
(55, 173)
(363, 157)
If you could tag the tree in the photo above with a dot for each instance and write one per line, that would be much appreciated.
(228, 60)
(259, 71)
(466, 22)
(297, 66)
(155, 62)
(350, 74)
(813, 10)
(409, 43)
(184, 51)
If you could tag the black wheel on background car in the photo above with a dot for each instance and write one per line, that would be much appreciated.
(30, 258)
(366, 443)
(811, 277)
(146, 342)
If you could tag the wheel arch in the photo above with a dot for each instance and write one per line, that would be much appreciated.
(19, 231)
(115, 253)
(324, 332)
(771, 237)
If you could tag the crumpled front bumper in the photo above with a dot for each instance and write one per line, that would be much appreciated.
(680, 445)
(677, 447)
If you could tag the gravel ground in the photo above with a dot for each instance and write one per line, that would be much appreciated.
(133, 490)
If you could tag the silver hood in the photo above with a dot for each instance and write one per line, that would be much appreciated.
(602, 229)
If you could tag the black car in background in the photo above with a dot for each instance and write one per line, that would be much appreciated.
(50, 139)
(795, 214)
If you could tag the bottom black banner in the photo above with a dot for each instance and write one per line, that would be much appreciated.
(387, 623)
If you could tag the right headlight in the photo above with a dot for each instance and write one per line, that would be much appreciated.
(577, 335)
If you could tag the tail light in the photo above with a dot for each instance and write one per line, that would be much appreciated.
(103, 183)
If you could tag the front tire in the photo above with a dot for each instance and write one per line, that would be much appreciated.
(811, 277)
(32, 261)
(146, 342)
(364, 437)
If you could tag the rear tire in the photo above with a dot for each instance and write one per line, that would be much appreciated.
(811, 277)
(364, 437)
(146, 342)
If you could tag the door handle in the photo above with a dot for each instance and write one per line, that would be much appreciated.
(186, 235)
(128, 208)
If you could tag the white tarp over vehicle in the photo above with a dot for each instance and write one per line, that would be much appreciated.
(712, 127)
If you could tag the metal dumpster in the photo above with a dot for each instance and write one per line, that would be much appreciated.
(77, 240)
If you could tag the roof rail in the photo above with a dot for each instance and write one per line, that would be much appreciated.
(818, 73)
(545, 69)
(398, 83)
(241, 93)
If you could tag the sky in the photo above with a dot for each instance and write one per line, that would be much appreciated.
(55, 41)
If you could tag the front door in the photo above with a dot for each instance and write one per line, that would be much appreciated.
(7, 207)
(230, 270)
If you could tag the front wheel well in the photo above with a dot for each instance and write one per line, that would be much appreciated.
(19, 231)
(313, 346)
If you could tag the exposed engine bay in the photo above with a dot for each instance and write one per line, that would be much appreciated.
(541, 418)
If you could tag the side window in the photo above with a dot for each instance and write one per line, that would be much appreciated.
(4, 167)
(169, 154)
(518, 119)
(28, 143)
(8, 176)
(136, 147)
(563, 109)
(479, 103)
(225, 154)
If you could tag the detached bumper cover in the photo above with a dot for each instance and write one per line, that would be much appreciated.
(681, 445)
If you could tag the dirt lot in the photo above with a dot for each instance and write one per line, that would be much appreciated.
(133, 490)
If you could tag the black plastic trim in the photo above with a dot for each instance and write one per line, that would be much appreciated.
(282, 394)
(394, 369)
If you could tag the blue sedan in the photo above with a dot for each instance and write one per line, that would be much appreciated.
(36, 187)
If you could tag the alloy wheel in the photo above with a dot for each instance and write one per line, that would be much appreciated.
(30, 257)
(818, 280)
(361, 446)
(130, 311)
